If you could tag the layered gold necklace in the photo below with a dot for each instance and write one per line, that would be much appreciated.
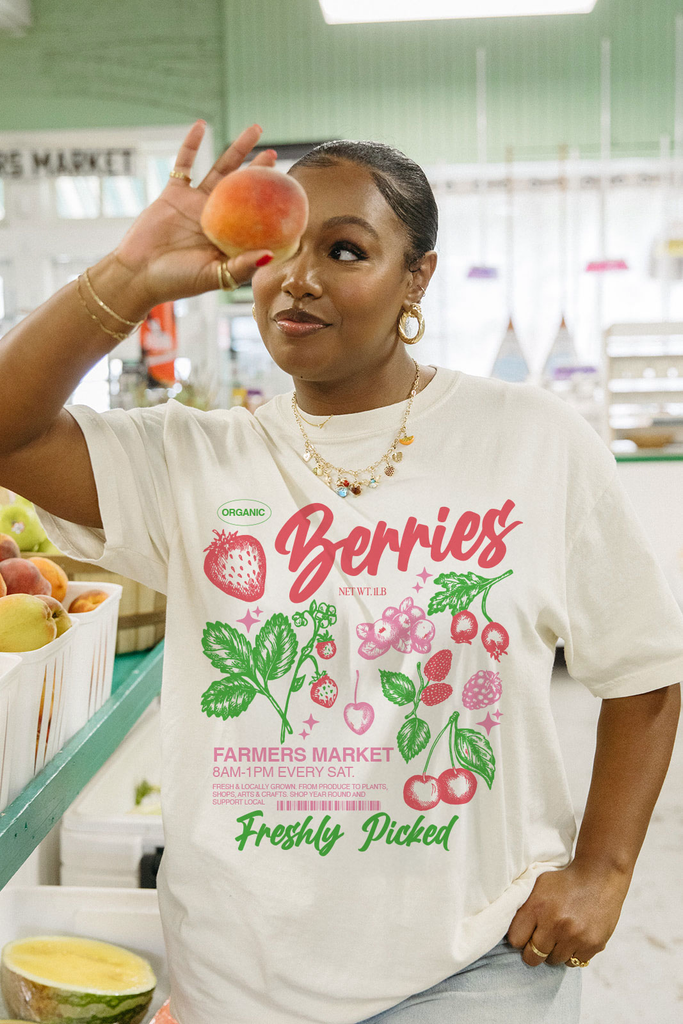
(343, 480)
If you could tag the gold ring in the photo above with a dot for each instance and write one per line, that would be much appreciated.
(537, 951)
(575, 962)
(232, 283)
(179, 174)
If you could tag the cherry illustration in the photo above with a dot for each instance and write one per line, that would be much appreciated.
(359, 716)
(495, 639)
(457, 785)
(464, 627)
(421, 792)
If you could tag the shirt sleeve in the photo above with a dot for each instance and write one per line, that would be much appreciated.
(624, 627)
(127, 453)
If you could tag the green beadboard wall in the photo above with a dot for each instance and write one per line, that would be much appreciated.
(410, 84)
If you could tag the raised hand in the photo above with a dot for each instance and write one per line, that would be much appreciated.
(166, 246)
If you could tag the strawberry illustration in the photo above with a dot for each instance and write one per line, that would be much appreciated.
(436, 693)
(326, 648)
(482, 689)
(236, 564)
(438, 666)
(324, 691)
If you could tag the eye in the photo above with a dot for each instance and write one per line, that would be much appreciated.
(348, 247)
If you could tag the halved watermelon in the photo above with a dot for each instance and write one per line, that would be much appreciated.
(55, 979)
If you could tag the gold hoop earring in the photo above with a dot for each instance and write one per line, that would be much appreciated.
(407, 314)
(253, 311)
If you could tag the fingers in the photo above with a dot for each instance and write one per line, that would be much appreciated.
(266, 158)
(243, 267)
(188, 151)
(233, 157)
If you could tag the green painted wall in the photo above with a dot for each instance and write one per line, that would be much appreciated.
(136, 62)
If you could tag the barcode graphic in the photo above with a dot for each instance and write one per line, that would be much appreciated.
(329, 805)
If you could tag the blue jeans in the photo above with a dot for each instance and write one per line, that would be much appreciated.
(498, 988)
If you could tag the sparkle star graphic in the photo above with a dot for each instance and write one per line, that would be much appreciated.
(424, 575)
(304, 734)
(417, 588)
(248, 620)
(310, 722)
(488, 724)
(497, 714)
(258, 611)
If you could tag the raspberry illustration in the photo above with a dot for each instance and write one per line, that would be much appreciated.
(436, 694)
(438, 666)
(324, 691)
(326, 649)
(482, 689)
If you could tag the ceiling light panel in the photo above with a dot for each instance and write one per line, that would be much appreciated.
(338, 12)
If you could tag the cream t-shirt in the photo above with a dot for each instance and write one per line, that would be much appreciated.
(361, 775)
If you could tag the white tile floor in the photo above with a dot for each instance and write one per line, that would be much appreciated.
(638, 977)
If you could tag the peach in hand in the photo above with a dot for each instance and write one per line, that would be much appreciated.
(26, 623)
(54, 574)
(256, 208)
(23, 577)
(59, 615)
(87, 601)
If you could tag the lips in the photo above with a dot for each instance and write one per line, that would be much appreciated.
(299, 316)
(299, 328)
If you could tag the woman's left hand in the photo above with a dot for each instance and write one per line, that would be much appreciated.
(570, 912)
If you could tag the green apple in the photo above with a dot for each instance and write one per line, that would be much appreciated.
(22, 523)
(26, 623)
(46, 547)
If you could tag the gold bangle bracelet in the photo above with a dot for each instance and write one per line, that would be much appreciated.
(119, 335)
(104, 307)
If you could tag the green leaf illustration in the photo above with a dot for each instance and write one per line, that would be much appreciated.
(473, 751)
(275, 647)
(413, 736)
(397, 688)
(227, 649)
(227, 698)
(459, 590)
(297, 684)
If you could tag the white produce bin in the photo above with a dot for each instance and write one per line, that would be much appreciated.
(126, 917)
(35, 710)
(101, 841)
(93, 658)
(10, 665)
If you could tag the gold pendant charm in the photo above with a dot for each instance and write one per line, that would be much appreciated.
(407, 440)
(397, 456)
(389, 470)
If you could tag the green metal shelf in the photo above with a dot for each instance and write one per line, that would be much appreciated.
(31, 815)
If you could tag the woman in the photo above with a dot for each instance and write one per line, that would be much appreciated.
(365, 806)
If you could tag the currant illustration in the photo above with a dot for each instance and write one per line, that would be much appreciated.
(405, 628)
(359, 716)
(457, 784)
(459, 590)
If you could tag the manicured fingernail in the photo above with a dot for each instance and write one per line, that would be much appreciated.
(262, 262)
(259, 127)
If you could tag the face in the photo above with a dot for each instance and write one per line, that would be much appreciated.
(352, 276)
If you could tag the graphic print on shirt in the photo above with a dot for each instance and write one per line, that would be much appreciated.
(291, 650)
